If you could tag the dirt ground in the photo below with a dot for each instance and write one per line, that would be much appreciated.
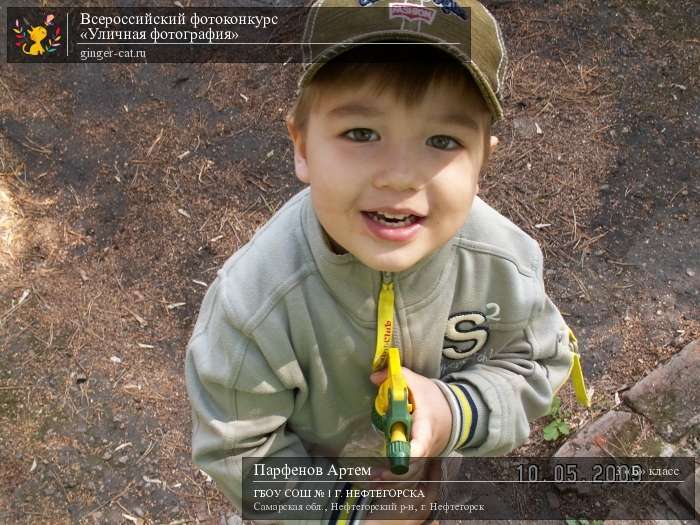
(123, 188)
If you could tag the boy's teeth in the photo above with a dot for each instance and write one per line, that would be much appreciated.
(391, 216)
(395, 221)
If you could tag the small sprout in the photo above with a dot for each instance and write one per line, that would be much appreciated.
(556, 427)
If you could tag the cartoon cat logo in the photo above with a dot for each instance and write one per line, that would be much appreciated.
(30, 38)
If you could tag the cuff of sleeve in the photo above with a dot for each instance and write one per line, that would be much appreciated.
(469, 416)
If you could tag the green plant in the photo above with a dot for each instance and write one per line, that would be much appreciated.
(557, 427)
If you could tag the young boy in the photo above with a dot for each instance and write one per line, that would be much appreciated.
(281, 355)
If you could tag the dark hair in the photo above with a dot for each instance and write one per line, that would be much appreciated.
(406, 70)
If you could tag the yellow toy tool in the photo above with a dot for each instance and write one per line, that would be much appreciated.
(393, 406)
(391, 414)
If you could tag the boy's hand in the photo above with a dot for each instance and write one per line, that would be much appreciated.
(432, 425)
(432, 417)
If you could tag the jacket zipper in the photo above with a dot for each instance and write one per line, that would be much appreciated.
(388, 278)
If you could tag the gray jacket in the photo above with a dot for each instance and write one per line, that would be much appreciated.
(281, 353)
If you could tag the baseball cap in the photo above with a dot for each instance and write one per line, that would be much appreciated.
(467, 32)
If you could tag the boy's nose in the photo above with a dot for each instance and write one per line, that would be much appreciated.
(400, 171)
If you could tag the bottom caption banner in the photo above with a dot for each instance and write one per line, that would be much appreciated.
(633, 488)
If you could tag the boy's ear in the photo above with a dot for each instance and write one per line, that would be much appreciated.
(492, 145)
(493, 142)
(300, 166)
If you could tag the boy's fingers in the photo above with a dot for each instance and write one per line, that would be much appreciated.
(378, 377)
(420, 437)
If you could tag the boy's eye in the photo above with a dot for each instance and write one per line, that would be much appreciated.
(443, 142)
(362, 135)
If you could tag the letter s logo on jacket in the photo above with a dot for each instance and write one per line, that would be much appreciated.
(468, 332)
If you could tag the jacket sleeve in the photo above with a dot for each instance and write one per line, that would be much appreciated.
(492, 402)
(240, 407)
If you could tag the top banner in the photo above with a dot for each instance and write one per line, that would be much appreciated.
(215, 34)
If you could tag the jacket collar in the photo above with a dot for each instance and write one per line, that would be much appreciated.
(356, 286)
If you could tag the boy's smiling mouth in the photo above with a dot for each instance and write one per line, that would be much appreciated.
(393, 225)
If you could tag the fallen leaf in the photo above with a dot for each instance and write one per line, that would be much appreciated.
(171, 306)
(133, 519)
(151, 480)
(206, 476)
(140, 319)
(25, 294)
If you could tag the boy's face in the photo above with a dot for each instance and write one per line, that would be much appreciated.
(392, 184)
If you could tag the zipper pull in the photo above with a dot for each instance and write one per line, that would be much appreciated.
(583, 395)
(385, 321)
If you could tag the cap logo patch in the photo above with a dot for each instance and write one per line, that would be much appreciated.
(447, 6)
(451, 6)
(411, 12)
